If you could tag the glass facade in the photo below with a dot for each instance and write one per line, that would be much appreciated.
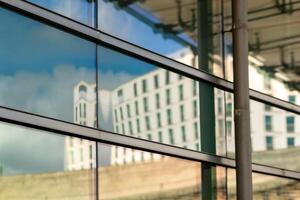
(34, 65)
(99, 96)
(34, 169)
(80, 10)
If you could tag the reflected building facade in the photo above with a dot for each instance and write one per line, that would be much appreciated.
(80, 152)
(163, 107)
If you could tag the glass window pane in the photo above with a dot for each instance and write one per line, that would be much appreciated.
(271, 187)
(275, 137)
(274, 48)
(164, 110)
(41, 165)
(46, 71)
(188, 31)
(79, 10)
(155, 176)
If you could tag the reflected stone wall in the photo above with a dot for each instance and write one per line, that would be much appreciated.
(168, 178)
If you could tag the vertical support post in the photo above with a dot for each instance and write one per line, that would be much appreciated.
(206, 96)
(241, 101)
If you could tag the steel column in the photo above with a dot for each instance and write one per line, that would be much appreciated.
(241, 101)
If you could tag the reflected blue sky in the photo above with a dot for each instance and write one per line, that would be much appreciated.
(80, 10)
(116, 68)
(32, 46)
(40, 66)
(120, 23)
(117, 22)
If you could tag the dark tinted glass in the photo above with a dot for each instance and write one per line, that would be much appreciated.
(46, 71)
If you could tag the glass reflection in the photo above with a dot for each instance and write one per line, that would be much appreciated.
(46, 71)
(267, 187)
(153, 176)
(40, 165)
(174, 28)
(141, 100)
(275, 136)
(274, 47)
(80, 10)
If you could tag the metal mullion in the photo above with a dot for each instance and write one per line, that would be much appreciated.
(90, 33)
(75, 130)
(89, 133)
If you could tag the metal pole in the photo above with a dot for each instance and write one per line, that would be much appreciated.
(241, 101)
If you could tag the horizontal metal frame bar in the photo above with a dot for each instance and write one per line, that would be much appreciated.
(90, 33)
(57, 126)
(65, 128)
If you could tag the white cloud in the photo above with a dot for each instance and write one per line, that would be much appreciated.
(109, 80)
(49, 94)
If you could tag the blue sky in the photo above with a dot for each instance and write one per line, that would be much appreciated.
(115, 22)
(40, 66)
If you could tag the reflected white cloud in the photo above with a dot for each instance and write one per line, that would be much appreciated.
(25, 150)
(49, 94)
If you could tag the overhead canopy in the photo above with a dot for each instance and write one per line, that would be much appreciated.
(274, 29)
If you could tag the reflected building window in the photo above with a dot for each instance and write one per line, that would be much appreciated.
(195, 108)
(144, 84)
(196, 133)
(181, 94)
(182, 113)
(229, 128)
(149, 137)
(183, 133)
(168, 96)
(269, 143)
(220, 105)
(123, 128)
(116, 115)
(169, 116)
(128, 110)
(290, 142)
(130, 128)
(290, 124)
(148, 125)
(158, 116)
(157, 99)
(229, 109)
(120, 96)
(156, 82)
(195, 88)
(136, 103)
(160, 138)
(292, 99)
(135, 89)
(121, 113)
(138, 126)
(167, 77)
(268, 107)
(171, 136)
(146, 106)
(268, 123)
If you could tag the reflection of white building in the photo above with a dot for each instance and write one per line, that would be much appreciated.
(80, 153)
(158, 106)
(141, 109)
(163, 106)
